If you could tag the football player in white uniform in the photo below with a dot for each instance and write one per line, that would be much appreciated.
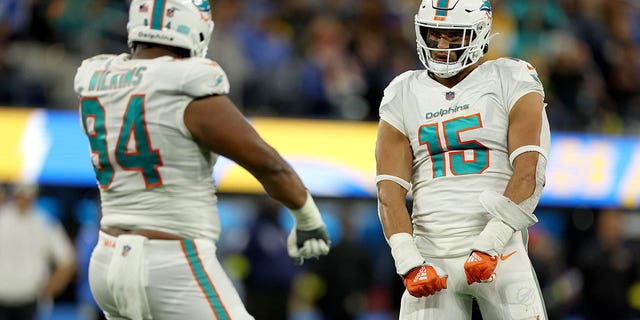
(470, 140)
(155, 120)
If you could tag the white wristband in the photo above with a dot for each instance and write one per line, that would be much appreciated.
(405, 253)
(308, 217)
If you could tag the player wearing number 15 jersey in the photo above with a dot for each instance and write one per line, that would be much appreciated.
(156, 120)
(470, 140)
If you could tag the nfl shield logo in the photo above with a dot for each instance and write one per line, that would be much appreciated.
(125, 250)
(450, 95)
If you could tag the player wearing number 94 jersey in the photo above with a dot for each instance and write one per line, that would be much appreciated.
(470, 139)
(156, 120)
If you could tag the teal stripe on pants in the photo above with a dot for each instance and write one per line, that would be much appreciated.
(203, 280)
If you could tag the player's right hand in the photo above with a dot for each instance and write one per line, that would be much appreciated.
(303, 244)
(423, 281)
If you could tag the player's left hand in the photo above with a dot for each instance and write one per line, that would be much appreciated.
(303, 244)
(480, 267)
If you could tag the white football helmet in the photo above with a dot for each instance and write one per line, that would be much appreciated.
(178, 23)
(472, 17)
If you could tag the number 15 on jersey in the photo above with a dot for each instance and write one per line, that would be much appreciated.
(453, 149)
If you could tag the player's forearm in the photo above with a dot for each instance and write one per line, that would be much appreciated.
(283, 184)
(392, 208)
(516, 205)
(509, 216)
(523, 181)
(395, 221)
(393, 212)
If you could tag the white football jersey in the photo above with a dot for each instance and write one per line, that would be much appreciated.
(151, 172)
(459, 141)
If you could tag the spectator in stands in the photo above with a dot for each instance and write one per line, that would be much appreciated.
(331, 80)
(609, 269)
(348, 284)
(268, 284)
(29, 246)
(279, 50)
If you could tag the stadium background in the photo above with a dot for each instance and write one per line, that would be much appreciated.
(309, 74)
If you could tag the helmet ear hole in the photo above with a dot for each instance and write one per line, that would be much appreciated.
(201, 37)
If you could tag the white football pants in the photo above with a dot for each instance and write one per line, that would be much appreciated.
(135, 278)
(515, 293)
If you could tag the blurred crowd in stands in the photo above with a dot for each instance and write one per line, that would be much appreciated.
(332, 59)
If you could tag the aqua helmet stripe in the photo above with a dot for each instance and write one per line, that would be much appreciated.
(442, 4)
(157, 14)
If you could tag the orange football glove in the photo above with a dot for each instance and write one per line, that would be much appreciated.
(480, 267)
(424, 281)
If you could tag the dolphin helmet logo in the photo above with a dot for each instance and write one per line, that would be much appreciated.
(204, 8)
(202, 5)
(486, 6)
